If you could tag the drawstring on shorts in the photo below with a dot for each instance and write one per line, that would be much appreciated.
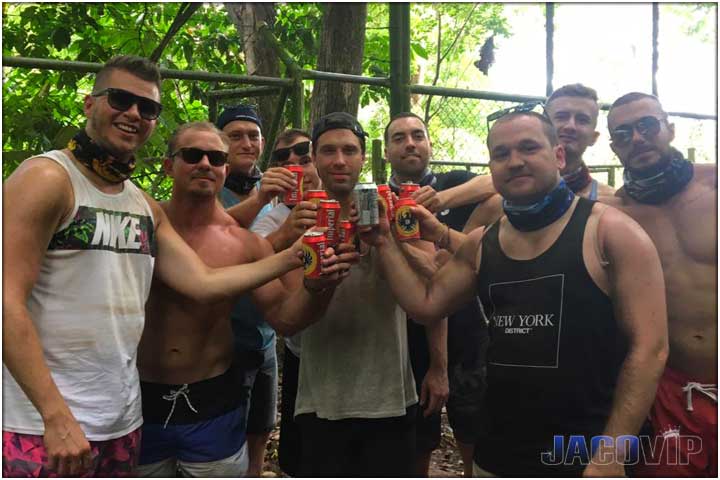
(174, 394)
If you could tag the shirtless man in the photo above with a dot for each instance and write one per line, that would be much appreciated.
(565, 262)
(675, 202)
(573, 110)
(194, 405)
(81, 247)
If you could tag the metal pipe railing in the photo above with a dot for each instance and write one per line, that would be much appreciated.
(166, 73)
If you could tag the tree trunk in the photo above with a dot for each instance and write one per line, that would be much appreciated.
(341, 51)
(260, 59)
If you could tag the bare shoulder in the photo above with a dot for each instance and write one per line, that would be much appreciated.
(617, 227)
(40, 182)
(605, 190)
(613, 217)
(469, 251)
(614, 198)
(706, 174)
(43, 171)
(158, 212)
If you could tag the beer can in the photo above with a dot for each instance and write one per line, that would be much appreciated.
(315, 196)
(313, 245)
(408, 188)
(347, 231)
(365, 196)
(386, 197)
(294, 196)
(328, 215)
(407, 226)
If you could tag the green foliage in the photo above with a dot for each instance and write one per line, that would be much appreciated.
(42, 109)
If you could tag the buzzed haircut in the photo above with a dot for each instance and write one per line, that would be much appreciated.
(401, 115)
(139, 66)
(574, 90)
(634, 97)
(547, 126)
(288, 136)
(202, 126)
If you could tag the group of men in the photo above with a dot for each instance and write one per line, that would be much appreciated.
(551, 317)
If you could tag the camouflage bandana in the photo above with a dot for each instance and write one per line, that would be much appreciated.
(99, 160)
(662, 182)
(578, 179)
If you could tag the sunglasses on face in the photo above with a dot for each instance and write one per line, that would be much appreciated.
(648, 127)
(193, 155)
(523, 107)
(281, 155)
(122, 101)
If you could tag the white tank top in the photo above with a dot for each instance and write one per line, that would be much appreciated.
(88, 306)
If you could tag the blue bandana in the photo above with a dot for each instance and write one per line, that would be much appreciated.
(527, 218)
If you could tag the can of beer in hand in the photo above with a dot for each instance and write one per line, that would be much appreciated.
(365, 196)
(328, 215)
(294, 196)
(315, 196)
(313, 245)
(347, 231)
(406, 225)
(386, 197)
(408, 188)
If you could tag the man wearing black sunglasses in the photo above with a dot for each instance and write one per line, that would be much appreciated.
(281, 227)
(188, 346)
(82, 244)
(675, 202)
(247, 194)
(578, 340)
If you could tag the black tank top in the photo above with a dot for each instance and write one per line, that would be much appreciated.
(554, 356)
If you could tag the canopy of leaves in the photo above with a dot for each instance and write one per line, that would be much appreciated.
(42, 109)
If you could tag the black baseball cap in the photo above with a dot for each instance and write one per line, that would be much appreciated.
(338, 120)
(239, 112)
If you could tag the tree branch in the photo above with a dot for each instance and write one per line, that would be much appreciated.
(184, 13)
(457, 37)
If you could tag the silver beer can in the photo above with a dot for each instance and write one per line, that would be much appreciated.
(365, 196)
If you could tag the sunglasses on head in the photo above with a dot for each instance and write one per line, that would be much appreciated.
(193, 155)
(122, 100)
(523, 107)
(648, 127)
(282, 154)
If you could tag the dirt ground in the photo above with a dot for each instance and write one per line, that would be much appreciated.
(445, 461)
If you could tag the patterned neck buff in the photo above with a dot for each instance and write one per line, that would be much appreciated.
(243, 184)
(578, 179)
(661, 182)
(527, 218)
(99, 160)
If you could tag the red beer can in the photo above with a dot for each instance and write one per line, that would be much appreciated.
(347, 231)
(386, 197)
(408, 188)
(329, 216)
(315, 196)
(407, 226)
(294, 196)
(313, 247)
